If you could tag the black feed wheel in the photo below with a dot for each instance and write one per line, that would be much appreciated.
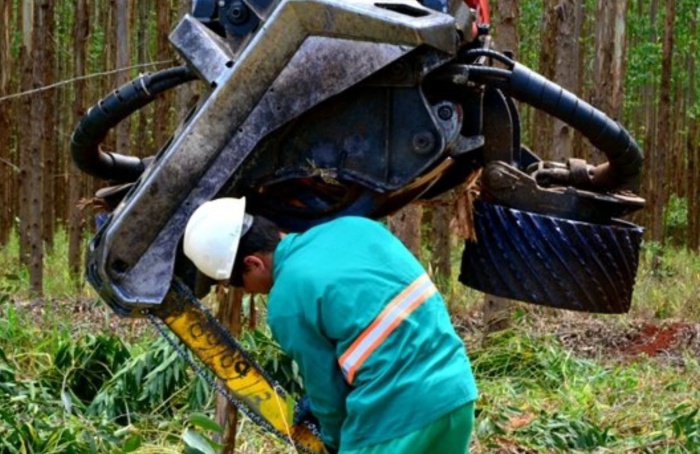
(552, 261)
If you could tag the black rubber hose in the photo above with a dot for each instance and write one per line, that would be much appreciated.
(475, 53)
(107, 113)
(624, 155)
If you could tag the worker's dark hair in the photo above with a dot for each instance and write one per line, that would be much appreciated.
(263, 236)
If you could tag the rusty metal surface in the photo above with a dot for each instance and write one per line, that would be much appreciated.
(506, 185)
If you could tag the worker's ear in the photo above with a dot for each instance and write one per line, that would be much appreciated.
(253, 263)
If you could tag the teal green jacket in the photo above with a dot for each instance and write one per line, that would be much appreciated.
(369, 331)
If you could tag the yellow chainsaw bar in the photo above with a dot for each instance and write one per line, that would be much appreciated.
(246, 385)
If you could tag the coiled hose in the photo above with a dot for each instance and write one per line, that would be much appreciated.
(625, 158)
(107, 113)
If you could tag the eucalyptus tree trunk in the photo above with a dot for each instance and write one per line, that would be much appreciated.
(34, 132)
(60, 122)
(661, 146)
(164, 103)
(693, 213)
(506, 24)
(81, 30)
(229, 313)
(45, 74)
(542, 139)
(609, 64)
(123, 76)
(143, 134)
(406, 224)
(649, 95)
(693, 191)
(25, 131)
(566, 72)
(6, 166)
(497, 310)
(441, 241)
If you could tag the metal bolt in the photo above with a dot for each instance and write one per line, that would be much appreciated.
(238, 13)
(423, 142)
(445, 112)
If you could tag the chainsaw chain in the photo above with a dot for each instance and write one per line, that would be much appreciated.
(185, 297)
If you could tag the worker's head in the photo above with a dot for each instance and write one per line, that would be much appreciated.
(227, 244)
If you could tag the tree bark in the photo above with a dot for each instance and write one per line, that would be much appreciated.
(508, 14)
(693, 191)
(163, 104)
(565, 73)
(45, 74)
(26, 130)
(142, 134)
(693, 213)
(441, 242)
(649, 93)
(662, 139)
(6, 168)
(81, 30)
(61, 122)
(229, 313)
(497, 311)
(582, 26)
(123, 48)
(34, 132)
(662, 143)
(543, 122)
(406, 224)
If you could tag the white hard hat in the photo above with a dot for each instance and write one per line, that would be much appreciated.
(213, 233)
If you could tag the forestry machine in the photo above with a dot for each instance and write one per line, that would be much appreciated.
(314, 109)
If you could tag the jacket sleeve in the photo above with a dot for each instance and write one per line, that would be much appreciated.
(324, 384)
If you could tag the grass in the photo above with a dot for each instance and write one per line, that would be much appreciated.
(672, 290)
(537, 395)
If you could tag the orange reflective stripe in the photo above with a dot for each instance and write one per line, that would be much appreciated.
(393, 314)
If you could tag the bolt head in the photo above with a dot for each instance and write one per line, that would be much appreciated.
(445, 112)
(423, 142)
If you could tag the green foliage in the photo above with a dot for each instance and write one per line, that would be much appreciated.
(670, 290)
(684, 421)
(676, 219)
(556, 402)
(150, 380)
(9, 284)
(61, 392)
(508, 354)
(85, 365)
(268, 354)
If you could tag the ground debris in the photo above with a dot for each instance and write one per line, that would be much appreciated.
(671, 340)
(595, 336)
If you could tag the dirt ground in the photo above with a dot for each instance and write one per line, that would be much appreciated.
(610, 337)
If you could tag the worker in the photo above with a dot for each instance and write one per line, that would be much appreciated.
(383, 369)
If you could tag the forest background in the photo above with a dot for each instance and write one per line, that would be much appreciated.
(634, 59)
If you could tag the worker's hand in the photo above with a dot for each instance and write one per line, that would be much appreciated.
(302, 412)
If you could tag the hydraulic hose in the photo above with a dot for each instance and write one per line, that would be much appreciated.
(624, 166)
(625, 157)
(110, 111)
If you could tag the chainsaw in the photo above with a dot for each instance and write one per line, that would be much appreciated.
(316, 109)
